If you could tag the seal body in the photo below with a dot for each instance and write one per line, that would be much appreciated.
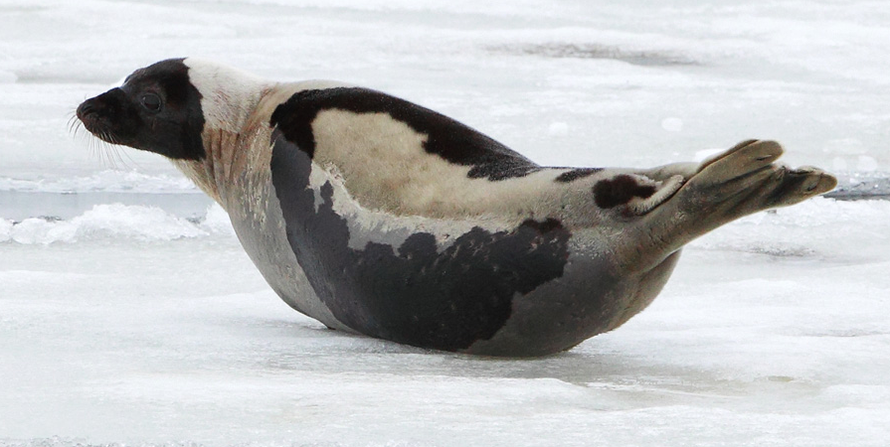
(380, 217)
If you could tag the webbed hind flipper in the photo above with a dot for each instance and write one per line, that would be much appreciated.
(738, 182)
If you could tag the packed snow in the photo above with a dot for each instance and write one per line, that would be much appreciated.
(130, 315)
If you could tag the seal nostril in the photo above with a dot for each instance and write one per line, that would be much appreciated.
(86, 108)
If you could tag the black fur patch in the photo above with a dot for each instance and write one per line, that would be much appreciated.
(173, 131)
(575, 174)
(619, 190)
(412, 293)
(446, 137)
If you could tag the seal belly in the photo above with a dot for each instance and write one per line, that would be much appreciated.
(260, 228)
(590, 298)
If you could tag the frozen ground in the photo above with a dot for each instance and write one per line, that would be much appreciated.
(130, 315)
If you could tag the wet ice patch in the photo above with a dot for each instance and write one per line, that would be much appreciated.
(599, 51)
(858, 185)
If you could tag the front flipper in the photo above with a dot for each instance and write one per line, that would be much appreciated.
(738, 182)
(633, 193)
(665, 189)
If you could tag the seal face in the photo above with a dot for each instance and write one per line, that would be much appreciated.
(377, 216)
(157, 109)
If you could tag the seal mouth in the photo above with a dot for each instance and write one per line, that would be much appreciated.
(92, 121)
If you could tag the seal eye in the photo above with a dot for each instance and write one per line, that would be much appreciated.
(151, 102)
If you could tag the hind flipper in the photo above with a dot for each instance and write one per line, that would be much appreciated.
(746, 179)
(738, 182)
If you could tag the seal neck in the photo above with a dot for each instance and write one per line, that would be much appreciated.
(235, 146)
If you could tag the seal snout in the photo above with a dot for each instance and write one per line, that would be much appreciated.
(90, 113)
(86, 113)
(99, 114)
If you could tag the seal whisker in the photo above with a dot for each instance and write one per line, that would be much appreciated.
(73, 121)
(74, 127)
(108, 150)
(115, 153)
(97, 149)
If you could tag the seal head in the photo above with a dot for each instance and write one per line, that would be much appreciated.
(157, 109)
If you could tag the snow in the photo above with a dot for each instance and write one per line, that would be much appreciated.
(130, 315)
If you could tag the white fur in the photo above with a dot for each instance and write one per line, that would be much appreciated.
(385, 161)
(381, 166)
(229, 95)
(371, 225)
(382, 161)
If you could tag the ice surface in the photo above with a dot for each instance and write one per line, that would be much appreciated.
(773, 331)
(129, 314)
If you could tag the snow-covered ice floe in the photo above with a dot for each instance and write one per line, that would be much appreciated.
(115, 221)
(130, 315)
(773, 331)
